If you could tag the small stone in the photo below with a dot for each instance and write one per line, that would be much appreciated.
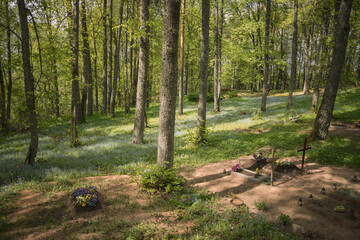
(354, 178)
(300, 203)
(224, 171)
(323, 190)
(311, 197)
(334, 186)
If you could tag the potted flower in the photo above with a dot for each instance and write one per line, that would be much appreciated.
(236, 168)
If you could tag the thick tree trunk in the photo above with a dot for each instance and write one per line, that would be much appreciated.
(266, 56)
(116, 62)
(138, 135)
(320, 66)
(75, 102)
(110, 68)
(169, 75)
(29, 85)
(87, 72)
(293, 56)
(204, 62)
(104, 73)
(181, 70)
(325, 113)
(86, 63)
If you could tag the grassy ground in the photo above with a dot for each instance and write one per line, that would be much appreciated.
(107, 148)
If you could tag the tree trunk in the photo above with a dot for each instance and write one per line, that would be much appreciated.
(266, 56)
(293, 56)
(110, 68)
(96, 77)
(325, 113)
(320, 66)
(138, 135)
(126, 85)
(104, 73)
(117, 63)
(169, 74)
(181, 70)
(3, 123)
(9, 64)
(204, 62)
(87, 72)
(75, 102)
(216, 59)
(29, 85)
(307, 58)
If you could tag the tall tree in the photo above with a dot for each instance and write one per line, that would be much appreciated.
(87, 72)
(116, 62)
(181, 70)
(216, 60)
(104, 73)
(9, 63)
(138, 136)
(75, 99)
(293, 56)
(3, 123)
(29, 85)
(325, 113)
(110, 55)
(169, 74)
(204, 62)
(320, 66)
(266, 56)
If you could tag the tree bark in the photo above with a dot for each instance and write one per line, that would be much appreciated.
(110, 68)
(325, 113)
(29, 85)
(204, 62)
(9, 64)
(3, 123)
(216, 59)
(293, 56)
(181, 70)
(320, 66)
(266, 56)
(116, 62)
(87, 72)
(75, 102)
(138, 135)
(104, 73)
(169, 74)
(96, 76)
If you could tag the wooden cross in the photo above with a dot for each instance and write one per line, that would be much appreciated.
(303, 156)
(272, 168)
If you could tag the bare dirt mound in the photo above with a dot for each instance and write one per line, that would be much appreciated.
(314, 219)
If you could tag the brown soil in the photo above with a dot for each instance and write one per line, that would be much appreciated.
(316, 219)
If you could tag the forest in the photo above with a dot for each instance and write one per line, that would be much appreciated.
(110, 92)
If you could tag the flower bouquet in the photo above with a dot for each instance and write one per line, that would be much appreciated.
(86, 197)
(259, 157)
(236, 168)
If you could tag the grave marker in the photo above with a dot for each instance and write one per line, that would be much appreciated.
(303, 156)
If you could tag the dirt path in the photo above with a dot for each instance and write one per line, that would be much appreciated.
(315, 218)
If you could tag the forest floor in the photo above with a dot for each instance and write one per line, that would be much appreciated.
(36, 215)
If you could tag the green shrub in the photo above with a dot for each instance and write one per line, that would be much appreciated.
(284, 219)
(194, 136)
(260, 206)
(194, 97)
(158, 179)
(339, 209)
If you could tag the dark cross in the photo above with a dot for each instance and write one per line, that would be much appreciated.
(303, 157)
